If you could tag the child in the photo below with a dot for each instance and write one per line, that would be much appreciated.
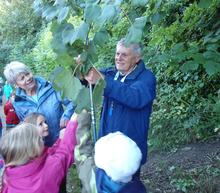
(38, 120)
(10, 114)
(29, 166)
(118, 158)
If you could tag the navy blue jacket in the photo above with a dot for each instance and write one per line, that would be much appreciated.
(127, 105)
(49, 104)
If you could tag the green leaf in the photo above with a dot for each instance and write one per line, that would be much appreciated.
(92, 12)
(107, 15)
(140, 22)
(135, 31)
(62, 77)
(134, 35)
(92, 52)
(98, 94)
(138, 3)
(59, 2)
(156, 18)
(212, 67)
(179, 47)
(62, 14)
(101, 38)
(65, 60)
(198, 58)
(80, 33)
(68, 31)
(189, 65)
(210, 55)
(83, 100)
(57, 42)
(50, 12)
(205, 4)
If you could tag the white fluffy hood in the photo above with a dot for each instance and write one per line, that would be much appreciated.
(118, 155)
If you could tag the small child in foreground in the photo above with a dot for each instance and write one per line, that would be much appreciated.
(118, 158)
(29, 166)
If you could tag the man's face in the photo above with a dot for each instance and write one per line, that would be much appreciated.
(25, 81)
(125, 59)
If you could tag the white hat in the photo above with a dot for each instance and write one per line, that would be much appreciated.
(118, 155)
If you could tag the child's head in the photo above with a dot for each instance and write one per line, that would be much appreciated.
(38, 119)
(118, 155)
(21, 144)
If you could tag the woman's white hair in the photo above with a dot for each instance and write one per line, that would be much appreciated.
(21, 144)
(13, 69)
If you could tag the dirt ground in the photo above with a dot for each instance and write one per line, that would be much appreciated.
(157, 173)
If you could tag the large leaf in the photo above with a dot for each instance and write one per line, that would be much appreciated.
(140, 22)
(198, 58)
(83, 100)
(156, 18)
(59, 2)
(107, 15)
(210, 55)
(63, 12)
(212, 67)
(50, 12)
(57, 41)
(101, 38)
(189, 65)
(92, 12)
(98, 94)
(205, 3)
(68, 31)
(68, 85)
(139, 2)
(135, 31)
(65, 60)
(80, 33)
(92, 52)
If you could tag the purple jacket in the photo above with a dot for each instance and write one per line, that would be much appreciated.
(45, 173)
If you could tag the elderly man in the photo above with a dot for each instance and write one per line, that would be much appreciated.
(128, 98)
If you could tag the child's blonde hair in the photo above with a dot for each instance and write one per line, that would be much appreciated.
(21, 144)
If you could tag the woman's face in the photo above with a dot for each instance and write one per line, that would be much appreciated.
(42, 125)
(26, 81)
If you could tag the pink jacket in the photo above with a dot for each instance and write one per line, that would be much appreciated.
(45, 173)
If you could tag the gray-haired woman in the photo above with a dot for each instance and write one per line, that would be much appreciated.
(35, 94)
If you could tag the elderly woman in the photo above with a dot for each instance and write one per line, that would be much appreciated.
(35, 94)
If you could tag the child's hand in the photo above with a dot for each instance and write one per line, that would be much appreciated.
(74, 117)
(61, 134)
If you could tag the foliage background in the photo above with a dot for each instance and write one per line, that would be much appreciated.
(180, 40)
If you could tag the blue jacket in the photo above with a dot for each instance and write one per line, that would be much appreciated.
(127, 105)
(49, 104)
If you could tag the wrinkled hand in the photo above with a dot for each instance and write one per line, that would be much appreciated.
(93, 76)
(63, 123)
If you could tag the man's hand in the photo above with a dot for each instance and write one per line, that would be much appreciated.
(93, 76)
